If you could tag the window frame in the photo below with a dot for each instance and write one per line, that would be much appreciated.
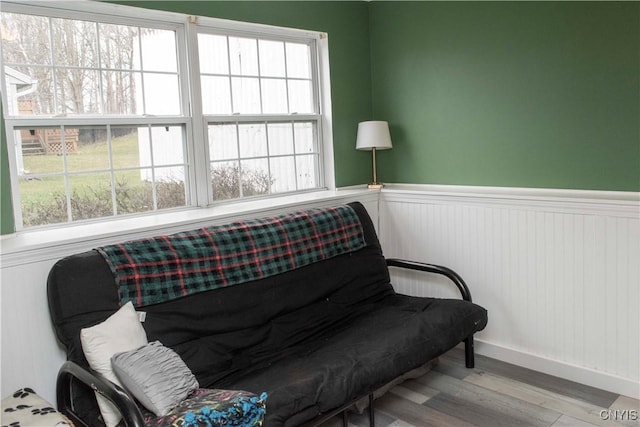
(194, 122)
(319, 68)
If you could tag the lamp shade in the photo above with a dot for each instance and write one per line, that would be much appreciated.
(373, 134)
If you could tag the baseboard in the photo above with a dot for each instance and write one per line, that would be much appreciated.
(564, 370)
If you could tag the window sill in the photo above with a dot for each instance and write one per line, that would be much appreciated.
(43, 243)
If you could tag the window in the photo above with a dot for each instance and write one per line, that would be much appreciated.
(261, 112)
(106, 116)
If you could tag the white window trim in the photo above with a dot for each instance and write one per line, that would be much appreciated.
(192, 117)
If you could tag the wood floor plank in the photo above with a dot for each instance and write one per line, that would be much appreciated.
(579, 391)
(481, 415)
(420, 387)
(452, 368)
(398, 423)
(567, 421)
(472, 403)
(411, 395)
(362, 420)
(566, 405)
(412, 414)
(494, 394)
(625, 403)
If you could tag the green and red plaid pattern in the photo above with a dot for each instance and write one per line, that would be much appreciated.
(163, 268)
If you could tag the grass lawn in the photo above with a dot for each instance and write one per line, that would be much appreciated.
(43, 189)
(89, 158)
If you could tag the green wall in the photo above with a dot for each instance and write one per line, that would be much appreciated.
(6, 209)
(523, 94)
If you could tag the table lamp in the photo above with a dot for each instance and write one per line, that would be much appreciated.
(373, 135)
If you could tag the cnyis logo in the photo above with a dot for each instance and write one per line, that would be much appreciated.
(619, 415)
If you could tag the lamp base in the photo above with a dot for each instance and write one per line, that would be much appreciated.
(375, 186)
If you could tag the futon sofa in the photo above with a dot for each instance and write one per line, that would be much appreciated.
(298, 305)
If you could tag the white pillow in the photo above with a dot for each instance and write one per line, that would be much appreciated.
(122, 331)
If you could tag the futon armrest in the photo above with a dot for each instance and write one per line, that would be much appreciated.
(457, 280)
(432, 268)
(70, 371)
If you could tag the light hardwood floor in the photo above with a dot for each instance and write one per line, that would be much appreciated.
(495, 394)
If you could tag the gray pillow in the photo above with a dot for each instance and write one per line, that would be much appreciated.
(155, 375)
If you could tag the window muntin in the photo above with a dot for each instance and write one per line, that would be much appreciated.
(268, 76)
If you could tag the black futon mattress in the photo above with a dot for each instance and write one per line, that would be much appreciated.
(313, 338)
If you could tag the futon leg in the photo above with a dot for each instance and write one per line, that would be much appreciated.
(345, 419)
(468, 352)
(372, 422)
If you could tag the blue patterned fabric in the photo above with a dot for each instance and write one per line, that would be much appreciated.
(214, 408)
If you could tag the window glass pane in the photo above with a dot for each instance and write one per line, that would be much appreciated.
(158, 50)
(86, 148)
(43, 201)
(161, 94)
(25, 39)
(271, 58)
(168, 146)
(216, 95)
(134, 192)
(127, 144)
(223, 142)
(119, 47)
(225, 180)
(213, 54)
(77, 91)
(253, 140)
(300, 96)
(283, 174)
(246, 95)
(243, 56)
(298, 61)
(255, 177)
(75, 43)
(274, 96)
(90, 196)
(32, 157)
(120, 92)
(170, 188)
(280, 138)
(306, 172)
(304, 137)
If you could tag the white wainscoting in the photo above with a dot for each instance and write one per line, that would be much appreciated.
(31, 355)
(558, 271)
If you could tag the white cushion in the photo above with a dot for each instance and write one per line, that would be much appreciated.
(122, 331)
(25, 408)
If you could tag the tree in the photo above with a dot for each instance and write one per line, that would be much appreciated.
(79, 50)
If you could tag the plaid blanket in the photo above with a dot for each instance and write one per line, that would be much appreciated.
(163, 268)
